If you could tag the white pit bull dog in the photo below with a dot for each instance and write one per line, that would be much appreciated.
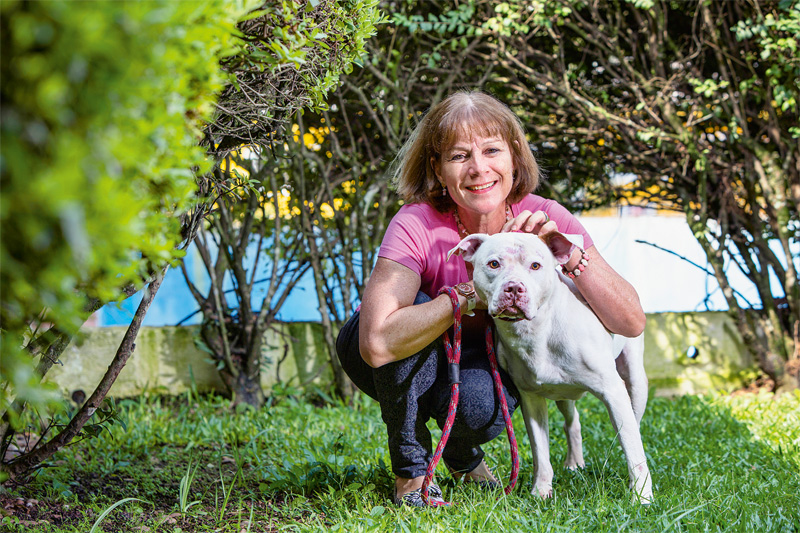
(553, 346)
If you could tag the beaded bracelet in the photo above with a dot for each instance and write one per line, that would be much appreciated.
(578, 269)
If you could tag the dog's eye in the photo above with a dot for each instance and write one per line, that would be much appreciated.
(535, 266)
(494, 263)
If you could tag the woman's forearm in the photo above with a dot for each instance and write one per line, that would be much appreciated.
(614, 300)
(404, 332)
(391, 327)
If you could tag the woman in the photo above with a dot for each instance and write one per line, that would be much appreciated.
(467, 169)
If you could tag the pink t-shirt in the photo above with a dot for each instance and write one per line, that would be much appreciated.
(419, 238)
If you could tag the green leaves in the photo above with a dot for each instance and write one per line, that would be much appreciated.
(108, 511)
(641, 4)
(102, 108)
(455, 21)
(304, 46)
(775, 36)
(708, 87)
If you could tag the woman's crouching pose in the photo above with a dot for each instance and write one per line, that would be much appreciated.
(466, 169)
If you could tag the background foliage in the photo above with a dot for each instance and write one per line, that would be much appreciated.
(102, 109)
(121, 134)
(291, 55)
(696, 102)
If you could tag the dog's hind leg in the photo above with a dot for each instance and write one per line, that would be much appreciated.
(630, 367)
(572, 427)
(614, 396)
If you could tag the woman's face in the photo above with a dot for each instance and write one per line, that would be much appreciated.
(478, 173)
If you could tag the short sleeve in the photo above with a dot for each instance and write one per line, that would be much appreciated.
(406, 238)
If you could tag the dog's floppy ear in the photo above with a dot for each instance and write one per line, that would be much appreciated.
(562, 245)
(468, 246)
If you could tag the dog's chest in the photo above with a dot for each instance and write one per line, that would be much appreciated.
(537, 370)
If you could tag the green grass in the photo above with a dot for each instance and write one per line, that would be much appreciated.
(719, 463)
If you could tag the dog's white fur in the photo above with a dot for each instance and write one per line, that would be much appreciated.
(553, 346)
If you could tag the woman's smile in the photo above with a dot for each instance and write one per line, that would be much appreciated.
(481, 188)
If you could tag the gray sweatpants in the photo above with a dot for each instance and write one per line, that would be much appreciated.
(415, 389)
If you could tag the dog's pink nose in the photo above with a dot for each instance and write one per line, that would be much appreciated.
(514, 288)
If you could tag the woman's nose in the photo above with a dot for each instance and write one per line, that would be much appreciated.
(479, 164)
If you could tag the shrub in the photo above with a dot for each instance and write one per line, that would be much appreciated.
(102, 109)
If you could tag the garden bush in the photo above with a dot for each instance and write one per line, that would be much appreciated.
(102, 109)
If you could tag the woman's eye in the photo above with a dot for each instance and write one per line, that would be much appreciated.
(457, 157)
(535, 266)
(494, 264)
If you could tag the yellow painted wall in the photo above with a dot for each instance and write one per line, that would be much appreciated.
(166, 359)
(722, 363)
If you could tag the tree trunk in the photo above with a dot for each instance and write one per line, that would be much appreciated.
(341, 382)
(244, 388)
(27, 462)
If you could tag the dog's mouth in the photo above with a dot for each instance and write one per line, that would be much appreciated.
(507, 318)
(512, 314)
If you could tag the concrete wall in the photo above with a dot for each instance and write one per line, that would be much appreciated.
(167, 360)
(722, 361)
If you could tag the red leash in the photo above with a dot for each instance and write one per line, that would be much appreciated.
(454, 359)
(498, 386)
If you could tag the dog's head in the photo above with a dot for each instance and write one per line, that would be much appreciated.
(514, 273)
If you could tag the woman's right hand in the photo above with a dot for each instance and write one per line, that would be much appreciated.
(538, 223)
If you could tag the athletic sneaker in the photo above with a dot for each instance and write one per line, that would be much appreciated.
(485, 484)
(414, 498)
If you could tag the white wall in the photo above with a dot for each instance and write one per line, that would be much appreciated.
(664, 281)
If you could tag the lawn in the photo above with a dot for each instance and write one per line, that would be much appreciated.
(181, 464)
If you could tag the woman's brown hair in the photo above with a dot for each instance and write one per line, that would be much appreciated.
(461, 115)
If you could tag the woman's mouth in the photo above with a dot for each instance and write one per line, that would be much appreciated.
(482, 187)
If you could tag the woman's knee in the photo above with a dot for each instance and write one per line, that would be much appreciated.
(478, 406)
(347, 336)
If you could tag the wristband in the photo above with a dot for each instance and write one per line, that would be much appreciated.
(467, 291)
(572, 274)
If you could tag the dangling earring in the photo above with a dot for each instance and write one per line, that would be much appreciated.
(444, 191)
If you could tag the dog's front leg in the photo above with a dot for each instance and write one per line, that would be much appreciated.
(534, 408)
(615, 397)
(572, 427)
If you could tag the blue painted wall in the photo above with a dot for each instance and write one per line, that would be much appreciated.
(664, 281)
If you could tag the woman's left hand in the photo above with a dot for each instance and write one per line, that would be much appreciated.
(538, 223)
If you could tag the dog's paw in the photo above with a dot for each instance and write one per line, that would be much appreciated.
(545, 492)
(642, 486)
(643, 499)
(574, 464)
